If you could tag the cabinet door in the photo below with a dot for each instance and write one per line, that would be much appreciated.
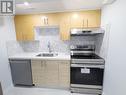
(93, 18)
(76, 20)
(65, 27)
(38, 72)
(51, 74)
(64, 74)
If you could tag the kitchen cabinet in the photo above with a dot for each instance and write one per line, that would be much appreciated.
(64, 74)
(85, 19)
(92, 20)
(24, 24)
(65, 27)
(53, 74)
(76, 20)
(24, 28)
(38, 72)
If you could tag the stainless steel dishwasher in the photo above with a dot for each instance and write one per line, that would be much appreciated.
(21, 72)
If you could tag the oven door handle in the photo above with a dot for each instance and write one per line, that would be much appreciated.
(88, 66)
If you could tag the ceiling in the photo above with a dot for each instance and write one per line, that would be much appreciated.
(46, 6)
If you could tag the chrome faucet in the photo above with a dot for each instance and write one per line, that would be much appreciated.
(49, 47)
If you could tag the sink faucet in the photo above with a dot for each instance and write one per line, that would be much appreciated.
(49, 47)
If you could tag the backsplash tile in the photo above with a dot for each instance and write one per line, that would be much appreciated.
(40, 44)
(57, 45)
(29, 46)
(82, 40)
(13, 47)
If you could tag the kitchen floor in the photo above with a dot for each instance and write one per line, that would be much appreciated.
(38, 91)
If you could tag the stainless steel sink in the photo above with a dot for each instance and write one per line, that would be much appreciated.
(47, 55)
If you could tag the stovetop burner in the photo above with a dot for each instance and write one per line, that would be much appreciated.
(84, 56)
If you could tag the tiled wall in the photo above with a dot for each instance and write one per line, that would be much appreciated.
(42, 38)
(37, 46)
(57, 45)
(13, 47)
(29, 46)
(51, 34)
(82, 40)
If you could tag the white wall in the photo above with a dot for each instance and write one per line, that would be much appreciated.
(7, 33)
(115, 77)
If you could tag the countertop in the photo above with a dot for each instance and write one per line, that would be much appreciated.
(60, 56)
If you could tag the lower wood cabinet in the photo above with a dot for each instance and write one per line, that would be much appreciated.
(64, 74)
(38, 72)
(53, 74)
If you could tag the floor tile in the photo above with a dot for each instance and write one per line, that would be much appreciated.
(38, 91)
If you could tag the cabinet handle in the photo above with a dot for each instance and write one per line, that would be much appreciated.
(47, 21)
(83, 23)
(87, 23)
(42, 63)
(45, 63)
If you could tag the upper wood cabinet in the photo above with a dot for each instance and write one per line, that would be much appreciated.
(24, 24)
(76, 20)
(64, 26)
(86, 19)
(94, 18)
(24, 27)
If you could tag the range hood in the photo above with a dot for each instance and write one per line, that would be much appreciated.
(86, 31)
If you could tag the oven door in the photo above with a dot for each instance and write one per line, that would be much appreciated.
(87, 76)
